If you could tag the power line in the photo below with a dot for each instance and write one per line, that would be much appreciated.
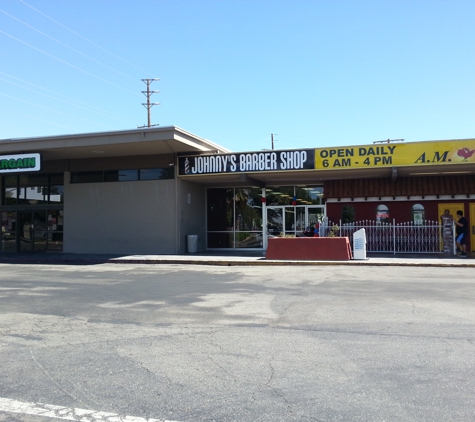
(72, 101)
(67, 46)
(84, 38)
(44, 121)
(50, 109)
(65, 62)
(65, 98)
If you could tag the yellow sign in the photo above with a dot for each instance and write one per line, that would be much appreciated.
(410, 154)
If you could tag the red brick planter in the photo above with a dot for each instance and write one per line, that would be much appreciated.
(309, 248)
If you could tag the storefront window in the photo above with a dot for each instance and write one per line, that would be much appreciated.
(10, 190)
(56, 188)
(309, 195)
(348, 214)
(235, 215)
(275, 221)
(382, 214)
(220, 212)
(9, 219)
(31, 229)
(121, 175)
(127, 175)
(87, 177)
(280, 195)
(418, 214)
(248, 209)
(33, 189)
(248, 217)
(234, 218)
(55, 230)
(157, 174)
(294, 195)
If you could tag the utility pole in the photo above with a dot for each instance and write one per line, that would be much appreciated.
(388, 141)
(148, 105)
(272, 139)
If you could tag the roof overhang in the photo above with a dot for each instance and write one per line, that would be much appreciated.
(259, 179)
(145, 141)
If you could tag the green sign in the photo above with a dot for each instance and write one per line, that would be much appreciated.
(20, 163)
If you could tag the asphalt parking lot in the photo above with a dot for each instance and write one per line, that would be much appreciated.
(237, 343)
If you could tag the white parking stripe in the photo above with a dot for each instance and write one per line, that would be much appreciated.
(67, 413)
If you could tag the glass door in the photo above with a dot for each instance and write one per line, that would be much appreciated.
(9, 233)
(315, 216)
(275, 221)
(293, 220)
(33, 234)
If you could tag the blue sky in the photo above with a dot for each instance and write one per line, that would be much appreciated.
(316, 73)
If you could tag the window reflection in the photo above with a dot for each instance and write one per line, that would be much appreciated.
(56, 194)
(234, 215)
(9, 224)
(33, 189)
(55, 230)
(237, 213)
(348, 214)
(382, 214)
(126, 175)
(294, 195)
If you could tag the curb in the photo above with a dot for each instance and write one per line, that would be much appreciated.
(226, 263)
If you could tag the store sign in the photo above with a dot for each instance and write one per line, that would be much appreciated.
(247, 162)
(20, 163)
(410, 154)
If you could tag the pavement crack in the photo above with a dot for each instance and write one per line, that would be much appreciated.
(221, 367)
(48, 375)
(276, 392)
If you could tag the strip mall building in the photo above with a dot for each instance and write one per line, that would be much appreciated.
(145, 191)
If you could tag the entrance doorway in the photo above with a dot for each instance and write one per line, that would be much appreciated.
(453, 208)
(292, 220)
(32, 231)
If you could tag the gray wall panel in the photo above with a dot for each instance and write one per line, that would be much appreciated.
(121, 217)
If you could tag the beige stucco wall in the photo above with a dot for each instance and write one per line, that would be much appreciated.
(121, 217)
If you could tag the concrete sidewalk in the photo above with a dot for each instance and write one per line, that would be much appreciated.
(224, 258)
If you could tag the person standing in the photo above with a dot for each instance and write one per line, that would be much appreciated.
(461, 233)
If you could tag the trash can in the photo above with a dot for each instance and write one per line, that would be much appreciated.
(192, 241)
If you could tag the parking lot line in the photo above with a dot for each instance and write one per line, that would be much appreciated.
(68, 413)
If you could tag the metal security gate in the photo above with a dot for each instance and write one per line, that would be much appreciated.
(408, 237)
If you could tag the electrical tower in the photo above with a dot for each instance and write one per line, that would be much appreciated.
(148, 105)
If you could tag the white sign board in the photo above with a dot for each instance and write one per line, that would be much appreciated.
(359, 244)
